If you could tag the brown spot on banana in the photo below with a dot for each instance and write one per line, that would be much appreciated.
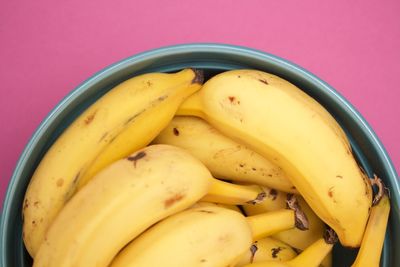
(253, 250)
(60, 182)
(73, 186)
(90, 118)
(260, 198)
(330, 193)
(130, 119)
(175, 131)
(273, 194)
(103, 137)
(264, 81)
(136, 157)
(233, 100)
(275, 251)
(172, 200)
(206, 211)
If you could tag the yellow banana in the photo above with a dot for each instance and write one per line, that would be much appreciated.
(372, 243)
(225, 158)
(201, 236)
(120, 203)
(195, 237)
(267, 249)
(279, 121)
(127, 107)
(276, 200)
(311, 257)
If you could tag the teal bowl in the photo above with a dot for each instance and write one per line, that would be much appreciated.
(212, 58)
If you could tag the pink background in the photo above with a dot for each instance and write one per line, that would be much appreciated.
(50, 47)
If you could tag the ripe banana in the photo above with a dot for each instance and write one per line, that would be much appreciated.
(202, 236)
(121, 201)
(276, 200)
(311, 257)
(225, 158)
(195, 237)
(279, 121)
(372, 243)
(267, 249)
(120, 116)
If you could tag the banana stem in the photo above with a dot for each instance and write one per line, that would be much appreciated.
(374, 236)
(269, 223)
(233, 194)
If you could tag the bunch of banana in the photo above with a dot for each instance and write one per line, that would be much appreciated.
(200, 237)
(299, 240)
(283, 124)
(113, 127)
(311, 257)
(276, 200)
(127, 197)
(135, 180)
(225, 158)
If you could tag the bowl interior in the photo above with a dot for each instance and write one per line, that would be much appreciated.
(213, 59)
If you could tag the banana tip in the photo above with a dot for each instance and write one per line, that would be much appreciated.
(199, 76)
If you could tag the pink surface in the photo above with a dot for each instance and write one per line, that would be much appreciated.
(49, 47)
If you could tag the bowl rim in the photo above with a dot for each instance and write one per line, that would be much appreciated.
(189, 48)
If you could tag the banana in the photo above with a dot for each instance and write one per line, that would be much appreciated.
(311, 257)
(195, 237)
(372, 243)
(280, 122)
(276, 200)
(201, 236)
(267, 249)
(225, 158)
(120, 116)
(124, 199)
(119, 203)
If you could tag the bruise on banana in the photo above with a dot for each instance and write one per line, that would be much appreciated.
(90, 117)
(175, 131)
(264, 81)
(136, 157)
(73, 186)
(275, 251)
(172, 200)
(253, 250)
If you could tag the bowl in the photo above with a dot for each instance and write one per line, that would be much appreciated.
(213, 59)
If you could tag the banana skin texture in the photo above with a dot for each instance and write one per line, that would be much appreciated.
(94, 139)
(280, 122)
